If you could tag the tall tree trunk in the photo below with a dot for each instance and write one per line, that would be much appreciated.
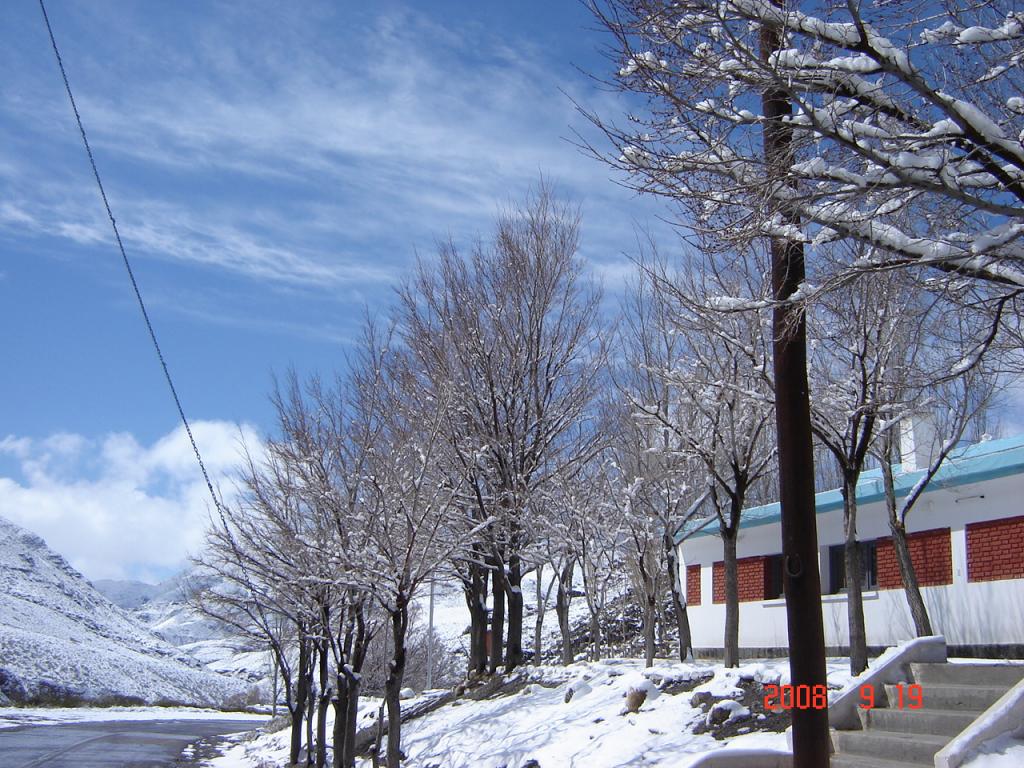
(393, 686)
(854, 578)
(908, 574)
(732, 598)
(497, 616)
(514, 593)
(563, 598)
(678, 606)
(298, 707)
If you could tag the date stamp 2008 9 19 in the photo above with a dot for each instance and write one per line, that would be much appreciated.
(781, 697)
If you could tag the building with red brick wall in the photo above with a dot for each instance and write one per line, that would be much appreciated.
(966, 540)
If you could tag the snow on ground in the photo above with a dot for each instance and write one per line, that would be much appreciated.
(590, 729)
(1002, 752)
(14, 716)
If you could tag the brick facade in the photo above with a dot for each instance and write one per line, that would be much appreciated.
(693, 585)
(995, 549)
(751, 578)
(931, 553)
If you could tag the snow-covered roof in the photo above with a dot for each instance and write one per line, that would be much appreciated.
(971, 464)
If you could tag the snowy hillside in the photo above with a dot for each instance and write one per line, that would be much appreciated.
(62, 641)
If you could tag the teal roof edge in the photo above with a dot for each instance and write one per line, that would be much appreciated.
(972, 464)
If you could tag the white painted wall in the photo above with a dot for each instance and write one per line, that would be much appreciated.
(990, 612)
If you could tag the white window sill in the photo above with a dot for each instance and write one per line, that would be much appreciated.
(840, 597)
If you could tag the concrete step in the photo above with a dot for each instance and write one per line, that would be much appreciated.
(1001, 675)
(939, 722)
(972, 698)
(913, 748)
(860, 761)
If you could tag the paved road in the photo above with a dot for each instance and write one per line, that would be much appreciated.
(122, 744)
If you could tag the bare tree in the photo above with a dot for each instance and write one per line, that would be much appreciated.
(944, 394)
(718, 412)
(407, 506)
(858, 337)
(511, 332)
(258, 567)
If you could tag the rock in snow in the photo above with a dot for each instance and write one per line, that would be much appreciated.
(61, 641)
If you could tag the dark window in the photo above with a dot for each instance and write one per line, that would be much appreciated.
(773, 577)
(837, 567)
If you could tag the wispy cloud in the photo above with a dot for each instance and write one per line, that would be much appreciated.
(315, 164)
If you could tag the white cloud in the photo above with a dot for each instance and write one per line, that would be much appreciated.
(116, 508)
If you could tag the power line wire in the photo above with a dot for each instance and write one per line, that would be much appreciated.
(127, 264)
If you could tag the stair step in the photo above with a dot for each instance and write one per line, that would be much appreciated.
(861, 761)
(973, 698)
(913, 748)
(995, 675)
(940, 722)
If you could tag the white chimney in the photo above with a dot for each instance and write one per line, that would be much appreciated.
(917, 442)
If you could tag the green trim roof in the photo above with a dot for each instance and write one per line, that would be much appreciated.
(971, 464)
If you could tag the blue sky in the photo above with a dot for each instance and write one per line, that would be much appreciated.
(274, 168)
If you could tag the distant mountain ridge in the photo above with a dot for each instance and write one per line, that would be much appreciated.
(125, 593)
(62, 641)
(166, 609)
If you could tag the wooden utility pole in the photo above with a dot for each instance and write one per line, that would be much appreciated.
(801, 578)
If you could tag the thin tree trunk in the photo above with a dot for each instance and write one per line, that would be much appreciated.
(538, 625)
(678, 606)
(595, 634)
(563, 598)
(393, 686)
(908, 574)
(322, 705)
(514, 593)
(310, 708)
(298, 710)
(340, 719)
(476, 600)
(911, 586)
(497, 617)
(854, 578)
(650, 621)
(351, 716)
(347, 681)
(274, 689)
(732, 599)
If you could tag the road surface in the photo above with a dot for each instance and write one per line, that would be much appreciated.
(118, 744)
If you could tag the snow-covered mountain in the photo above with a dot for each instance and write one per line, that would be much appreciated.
(166, 609)
(125, 593)
(63, 641)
